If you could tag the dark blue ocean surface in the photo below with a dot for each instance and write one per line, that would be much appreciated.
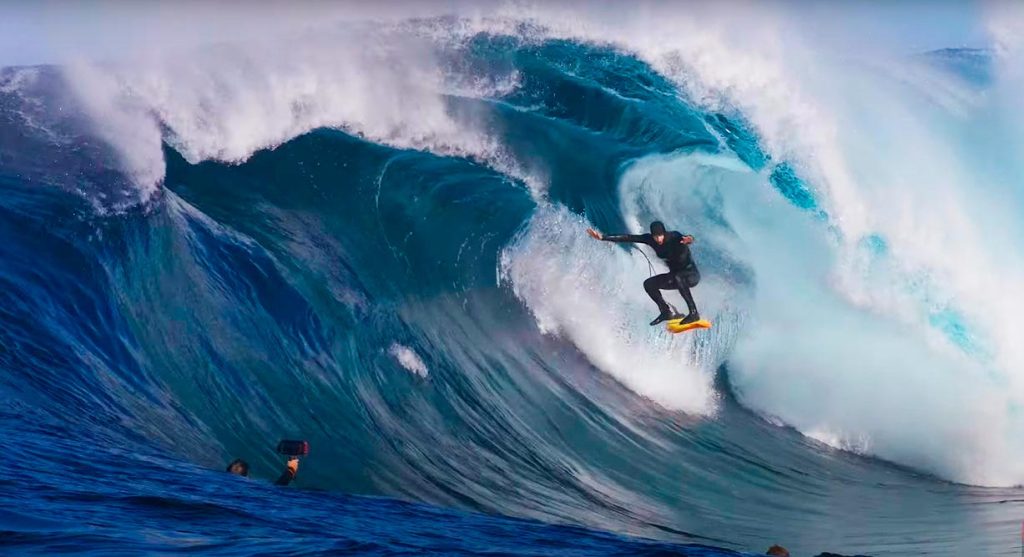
(68, 493)
(346, 292)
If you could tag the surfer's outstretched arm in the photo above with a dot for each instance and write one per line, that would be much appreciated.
(626, 238)
(622, 238)
(290, 470)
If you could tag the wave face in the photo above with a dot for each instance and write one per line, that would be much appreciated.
(373, 239)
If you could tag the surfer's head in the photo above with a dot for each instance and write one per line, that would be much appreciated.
(239, 467)
(658, 232)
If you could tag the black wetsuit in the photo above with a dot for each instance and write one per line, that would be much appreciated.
(682, 272)
(286, 477)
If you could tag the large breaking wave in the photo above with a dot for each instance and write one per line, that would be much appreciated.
(373, 236)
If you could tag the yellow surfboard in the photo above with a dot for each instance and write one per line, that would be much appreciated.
(675, 325)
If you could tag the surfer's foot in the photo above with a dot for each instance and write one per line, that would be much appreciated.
(664, 316)
(690, 318)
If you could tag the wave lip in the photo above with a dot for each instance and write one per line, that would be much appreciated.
(225, 102)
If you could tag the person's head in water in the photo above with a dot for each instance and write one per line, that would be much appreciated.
(777, 551)
(239, 467)
(658, 232)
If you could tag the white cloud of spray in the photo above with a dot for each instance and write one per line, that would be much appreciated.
(807, 355)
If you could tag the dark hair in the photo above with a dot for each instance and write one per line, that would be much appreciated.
(657, 228)
(241, 464)
(777, 551)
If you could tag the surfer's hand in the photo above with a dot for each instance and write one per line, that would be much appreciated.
(293, 465)
(595, 234)
(686, 240)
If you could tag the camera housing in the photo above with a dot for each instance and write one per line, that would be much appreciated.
(290, 447)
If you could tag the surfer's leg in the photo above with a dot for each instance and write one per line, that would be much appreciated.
(684, 281)
(654, 286)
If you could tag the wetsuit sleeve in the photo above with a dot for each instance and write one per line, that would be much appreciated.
(286, 477)
(627, 238)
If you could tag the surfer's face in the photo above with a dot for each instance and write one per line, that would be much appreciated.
(239, 467)
(659, 239)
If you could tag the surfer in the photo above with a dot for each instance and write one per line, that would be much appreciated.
(682, 275)
(240, 467)
(291, 449)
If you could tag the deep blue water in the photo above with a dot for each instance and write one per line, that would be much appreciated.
(143, 346)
